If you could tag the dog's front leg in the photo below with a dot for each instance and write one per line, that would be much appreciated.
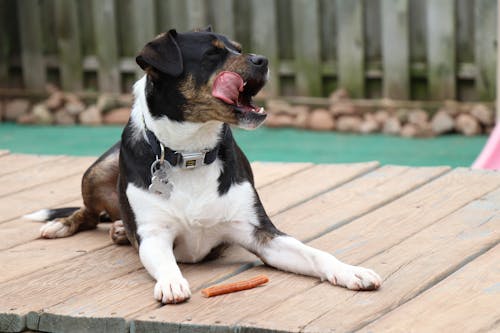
(289, 254)
(157, 256)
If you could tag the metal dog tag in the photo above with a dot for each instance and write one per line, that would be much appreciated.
(159, 180)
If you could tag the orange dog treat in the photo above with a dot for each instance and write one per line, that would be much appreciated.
(234, 286)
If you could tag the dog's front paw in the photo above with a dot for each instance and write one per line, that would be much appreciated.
(172, 291)
(355, 278)
(54, 229)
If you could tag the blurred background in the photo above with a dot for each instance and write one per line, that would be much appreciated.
(352, 80)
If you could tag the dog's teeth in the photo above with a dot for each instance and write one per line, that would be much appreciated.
(245, 83)
(261, 110)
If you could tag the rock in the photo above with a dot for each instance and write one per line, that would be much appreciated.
(349, 124)
(451, 107)
(297, 110)
(63, 117)
(301, 120)
(381, 117)
(279, 120)
(338, 95)
(418, 117)
(343, 108)
(74, 108)
(117, 116)
(369, 124)
(482, 113)
(409, 131)
(467, 125)
(55, 100)
(2, 107)
(26, 119)
(392, 126)
(442, 122)
(321, 120)
(402, 115)
(106, 102)
(42, 114)
(91, 116)
(277, 106)
(15, 109)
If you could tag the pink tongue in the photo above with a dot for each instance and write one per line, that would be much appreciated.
(227, 87)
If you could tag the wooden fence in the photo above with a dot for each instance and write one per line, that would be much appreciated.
(401, 49)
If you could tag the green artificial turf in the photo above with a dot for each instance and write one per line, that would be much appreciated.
(263, 144)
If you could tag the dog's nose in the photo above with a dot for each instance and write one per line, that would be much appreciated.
(258, 60)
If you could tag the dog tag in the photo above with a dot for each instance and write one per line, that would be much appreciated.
(159, 180)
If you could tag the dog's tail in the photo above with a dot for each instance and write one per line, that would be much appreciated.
(51, 214)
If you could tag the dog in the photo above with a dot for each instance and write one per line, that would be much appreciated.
(177, 185)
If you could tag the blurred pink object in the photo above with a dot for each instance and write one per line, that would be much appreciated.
(490, 156)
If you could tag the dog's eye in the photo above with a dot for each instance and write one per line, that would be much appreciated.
(215, 53)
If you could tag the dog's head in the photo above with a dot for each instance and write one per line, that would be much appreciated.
(203, 76)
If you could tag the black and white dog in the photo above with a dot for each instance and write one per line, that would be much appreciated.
(177, 185)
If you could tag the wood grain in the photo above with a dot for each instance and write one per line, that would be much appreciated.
(10, 163)
(466, 301)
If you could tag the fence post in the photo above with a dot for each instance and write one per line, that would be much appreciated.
(485, 48)
(306, 47)
(143, 29)
(196, 14)
(264, 35)
(350, 47)
(441, 49)
(106, 45)
(30, 28)
(68, 42)
(4, 45)
(223, 15)
(395, 48)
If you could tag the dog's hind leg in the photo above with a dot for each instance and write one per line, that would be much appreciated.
(99, 192)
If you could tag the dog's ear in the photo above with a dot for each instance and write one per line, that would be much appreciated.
(163, 54)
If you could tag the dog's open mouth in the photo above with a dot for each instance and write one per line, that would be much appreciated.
(230, 88)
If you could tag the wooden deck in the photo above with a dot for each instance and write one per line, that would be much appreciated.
(432, 234)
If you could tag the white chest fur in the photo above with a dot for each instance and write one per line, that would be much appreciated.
(195, 214)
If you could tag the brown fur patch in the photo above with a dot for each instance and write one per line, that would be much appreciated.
(237, 46)
(218, 43)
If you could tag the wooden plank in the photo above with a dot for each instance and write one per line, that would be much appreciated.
(143, 29)
(410, 268)
(196, 14)
(485, 48)
(68, 40)
(31, 199)
(351, 47)
(10, 163)
(306, 184)
(366, 194)
(30, 29)
(264, 39)
(43, 174)
(354, 242)
(470, 293)
(441, 52)
(328, 31)
(106, 45)
(62, 281)
(268, 172)
(306, 47)
(19, 231)
(395, 48)
(222, 17)
(32, 256)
